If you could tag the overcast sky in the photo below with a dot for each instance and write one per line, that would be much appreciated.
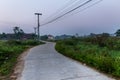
(103, 17)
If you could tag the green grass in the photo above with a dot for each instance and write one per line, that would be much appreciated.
(102, 58)
(9, 52)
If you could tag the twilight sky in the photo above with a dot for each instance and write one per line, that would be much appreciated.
(103, 17)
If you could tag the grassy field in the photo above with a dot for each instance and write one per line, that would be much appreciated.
(102, 54)
(9, 52)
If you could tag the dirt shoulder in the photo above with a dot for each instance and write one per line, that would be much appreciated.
(19, 66)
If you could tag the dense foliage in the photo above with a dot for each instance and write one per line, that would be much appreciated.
(10, 50)
(101, 52)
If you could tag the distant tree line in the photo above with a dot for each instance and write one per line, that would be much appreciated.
(18, 34)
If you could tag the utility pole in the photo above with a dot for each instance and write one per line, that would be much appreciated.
(38, 14)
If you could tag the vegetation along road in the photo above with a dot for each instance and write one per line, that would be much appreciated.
(9, 54)
(45, 63)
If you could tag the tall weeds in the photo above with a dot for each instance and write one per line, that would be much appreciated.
(103, 54)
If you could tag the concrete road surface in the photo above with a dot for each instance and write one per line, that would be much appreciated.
(44, 63)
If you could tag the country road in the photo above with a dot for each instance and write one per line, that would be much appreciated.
(44, 63)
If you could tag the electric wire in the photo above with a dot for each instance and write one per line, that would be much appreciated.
(85, 8)
(68, 12)
(61, 10)
(68, 8)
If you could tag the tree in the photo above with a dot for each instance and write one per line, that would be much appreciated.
(45, 37)
(105, 35)
(3, 36)
(118, 32)
(18, 32)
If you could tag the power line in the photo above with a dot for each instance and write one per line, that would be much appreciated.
(74, 5)
(69, 7)
(80, 10)
(87, 7)
(67, 12)
(59, 11)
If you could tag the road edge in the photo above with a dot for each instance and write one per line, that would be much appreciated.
(17, 70)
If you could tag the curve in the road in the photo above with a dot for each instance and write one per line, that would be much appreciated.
(45, 63)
